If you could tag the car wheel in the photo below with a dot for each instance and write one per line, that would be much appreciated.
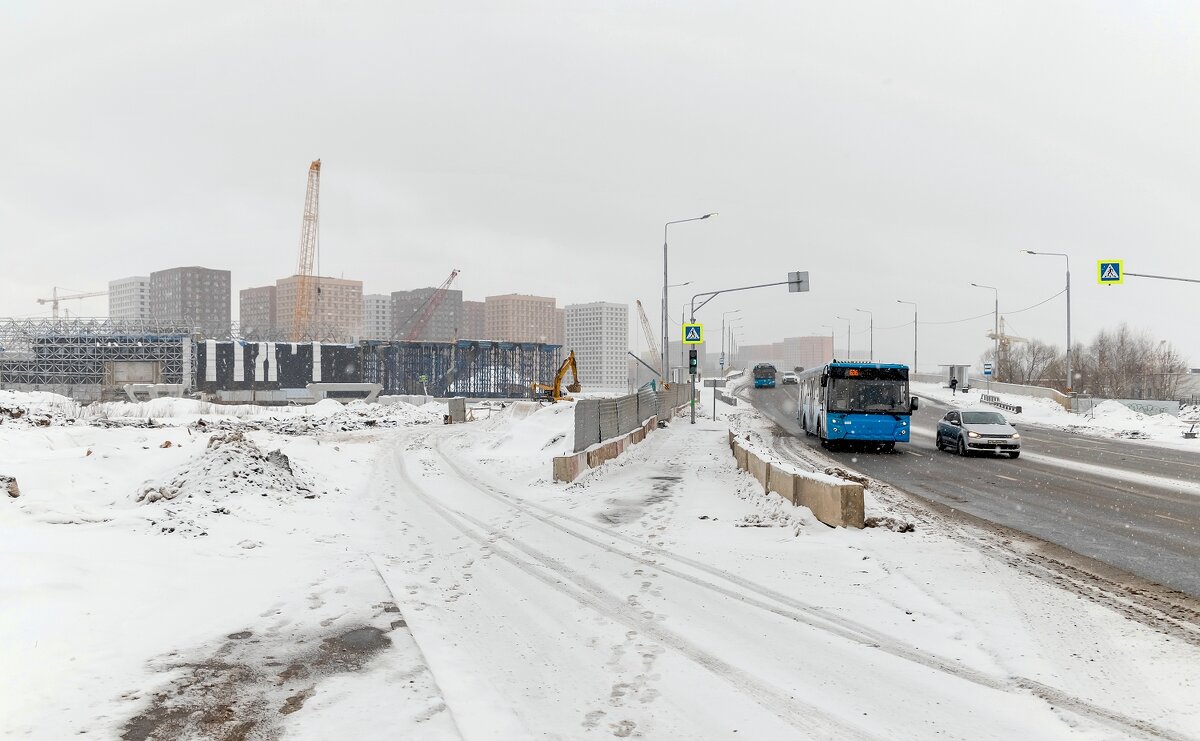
(937, 441)
(962, 447)
(1015, 454)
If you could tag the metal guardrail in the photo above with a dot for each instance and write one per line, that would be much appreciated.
(995, 401)
(726, 398)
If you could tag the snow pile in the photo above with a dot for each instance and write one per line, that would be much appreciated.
(527, 428)
(231, 469)
(36, 409)
(170, 408)
(1108, 418)
(331, 416)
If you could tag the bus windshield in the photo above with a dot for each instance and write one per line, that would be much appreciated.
(867, 394)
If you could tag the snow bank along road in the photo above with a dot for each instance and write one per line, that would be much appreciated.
(430, 582)
(1135, 507)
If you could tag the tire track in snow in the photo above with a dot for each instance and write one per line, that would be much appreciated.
(807, 614)
(561, 578)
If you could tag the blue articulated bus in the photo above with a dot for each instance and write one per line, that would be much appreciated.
(856, 402)
(764, 376)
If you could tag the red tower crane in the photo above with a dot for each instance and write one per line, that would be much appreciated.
(425, 313)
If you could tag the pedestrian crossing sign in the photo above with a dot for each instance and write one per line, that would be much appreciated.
(693, 334)
(1110, 272)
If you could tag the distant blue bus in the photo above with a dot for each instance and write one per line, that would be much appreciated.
(856, 402)
(764, 376)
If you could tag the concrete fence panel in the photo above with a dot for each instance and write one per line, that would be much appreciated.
(609, 427)
(627, 414)
(587, 423)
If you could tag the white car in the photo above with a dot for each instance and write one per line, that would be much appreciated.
(969, 431)
(790, 377)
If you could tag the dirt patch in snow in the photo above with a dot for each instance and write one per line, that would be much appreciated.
(231, 469)
(250, 681)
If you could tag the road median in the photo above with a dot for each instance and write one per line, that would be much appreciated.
(834, 501)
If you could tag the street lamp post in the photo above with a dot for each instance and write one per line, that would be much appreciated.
(1070, 376)
(847, 321)
(665, 286)
(725, 314)
(872, 356)
(914, 305)
(995, 331)
(830, 327)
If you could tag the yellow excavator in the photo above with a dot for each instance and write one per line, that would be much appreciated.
(554, 392)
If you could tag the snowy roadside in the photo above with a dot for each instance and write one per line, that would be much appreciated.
(438, 584)
(1109, 419)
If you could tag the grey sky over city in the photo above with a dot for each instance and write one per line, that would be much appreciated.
(896, 151)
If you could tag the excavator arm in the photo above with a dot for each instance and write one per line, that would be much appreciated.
(554, 392)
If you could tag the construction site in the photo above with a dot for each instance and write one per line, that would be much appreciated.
(94, 359)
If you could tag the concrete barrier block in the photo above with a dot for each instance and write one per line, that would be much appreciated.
(599, 454)
(637, 435)
(760, 470)
(837, 505)
(741, 456)
(783, 483)
(567, 468)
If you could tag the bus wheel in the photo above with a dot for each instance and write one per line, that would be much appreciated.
(888, 447)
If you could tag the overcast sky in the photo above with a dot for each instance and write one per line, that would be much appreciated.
(893, 150)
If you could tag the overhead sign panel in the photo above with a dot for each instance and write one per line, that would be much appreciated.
(693, 334)
(1110, 272)
(797, 281)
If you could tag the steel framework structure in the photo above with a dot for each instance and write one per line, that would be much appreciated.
(465, 368)
(77, 351)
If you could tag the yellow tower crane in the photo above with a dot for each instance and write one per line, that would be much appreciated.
(303, 314)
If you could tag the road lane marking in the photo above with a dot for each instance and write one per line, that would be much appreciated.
(1008, 478)
(1117, 474)
(1173, 519)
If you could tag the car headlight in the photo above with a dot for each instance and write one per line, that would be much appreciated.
(974, 434)
(1016, 436)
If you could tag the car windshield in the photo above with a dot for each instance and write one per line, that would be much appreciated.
(983, 418)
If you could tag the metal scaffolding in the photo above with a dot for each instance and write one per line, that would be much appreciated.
(465, 368)
(75, 352)
(86, 357)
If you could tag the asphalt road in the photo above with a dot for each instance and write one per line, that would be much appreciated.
(1132, 506)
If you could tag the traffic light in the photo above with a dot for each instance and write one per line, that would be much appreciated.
(692, 361)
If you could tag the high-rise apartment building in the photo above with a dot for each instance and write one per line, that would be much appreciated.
(256, 313)
(560, 327)
(474, 324)
(194, 295)
(377, 316)
(599, 334)
(444, 325)
(129, 298)
(520, 318)
(336, 314)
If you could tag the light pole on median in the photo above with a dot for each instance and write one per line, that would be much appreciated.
(847, 321)
(995, 331)
(914, 305)
(682, 319)
(725, 314)
(872, 356)
(665, 286)
(1070, 376)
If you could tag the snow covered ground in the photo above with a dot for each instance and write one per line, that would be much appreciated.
(367, 572)
(1109, 419)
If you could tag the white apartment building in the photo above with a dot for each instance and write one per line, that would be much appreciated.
(599, 334)
(377, 316)
(129, 298)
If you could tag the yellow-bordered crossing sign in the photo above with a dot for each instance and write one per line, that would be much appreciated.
(693, 334)
(1110, 272)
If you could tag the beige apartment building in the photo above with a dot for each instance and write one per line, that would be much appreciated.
(336, 314)
(519, 318)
